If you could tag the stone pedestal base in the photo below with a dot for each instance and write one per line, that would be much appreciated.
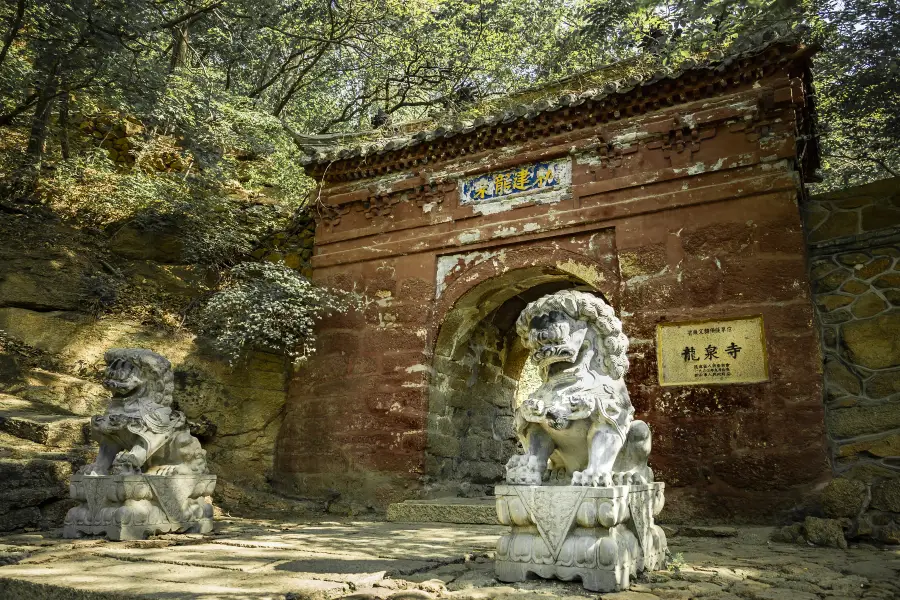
(604, 536)
(131, 507)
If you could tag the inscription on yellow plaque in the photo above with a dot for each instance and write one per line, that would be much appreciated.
(712, 352)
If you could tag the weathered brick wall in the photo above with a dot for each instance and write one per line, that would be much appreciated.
(854, 239)
(678, 213)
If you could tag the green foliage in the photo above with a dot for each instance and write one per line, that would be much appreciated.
(267, 306)
(674, 562)
(223, 89)
(226, 76)
(857, 77)
(217, 229)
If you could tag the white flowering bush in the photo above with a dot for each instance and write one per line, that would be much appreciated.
(268, 306)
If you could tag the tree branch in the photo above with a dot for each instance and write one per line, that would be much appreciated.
(865, 157)
(188, 16)
(14, 28)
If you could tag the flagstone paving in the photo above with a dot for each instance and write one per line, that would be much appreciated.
(396, 561)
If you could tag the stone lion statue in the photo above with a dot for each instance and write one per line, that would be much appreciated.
(140, 431)
(578, 427)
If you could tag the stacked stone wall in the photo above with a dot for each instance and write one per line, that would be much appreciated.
(470, 422)
(854, 243)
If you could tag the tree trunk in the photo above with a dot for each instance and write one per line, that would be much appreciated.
(180, 47)
(41, 117)
(64, 123)
(21, 185)
(14, 28)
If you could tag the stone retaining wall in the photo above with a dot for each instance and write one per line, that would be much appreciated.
(854, 242)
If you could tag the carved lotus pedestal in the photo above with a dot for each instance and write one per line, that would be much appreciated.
(605, 536)
(131, 507)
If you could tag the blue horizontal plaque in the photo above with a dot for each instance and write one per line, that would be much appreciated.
(524, 179)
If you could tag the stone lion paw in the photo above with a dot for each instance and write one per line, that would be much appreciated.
(125, 463)
(638, 478)
(90, 469)
(622, 478)
(164, 470)
(524, 470)
(556, 476)
(592, 478)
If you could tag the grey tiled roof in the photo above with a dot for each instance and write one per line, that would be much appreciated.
(334, 147)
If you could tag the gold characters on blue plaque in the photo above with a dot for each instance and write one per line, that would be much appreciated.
(526, 178)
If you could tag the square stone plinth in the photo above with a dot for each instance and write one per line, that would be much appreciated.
(604, 536)
(129, 507)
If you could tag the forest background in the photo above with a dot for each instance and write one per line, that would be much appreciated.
(190, 114)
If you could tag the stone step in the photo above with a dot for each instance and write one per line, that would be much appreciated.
(474, 511)
(42, 423)
(35, 489)
(30, 485)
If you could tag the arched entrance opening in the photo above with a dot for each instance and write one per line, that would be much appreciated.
(480, 373)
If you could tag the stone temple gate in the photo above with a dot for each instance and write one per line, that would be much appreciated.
(674, 196)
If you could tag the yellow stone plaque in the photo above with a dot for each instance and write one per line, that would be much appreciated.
(712, 352)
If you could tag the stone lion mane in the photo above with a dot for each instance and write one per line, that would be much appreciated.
(580, 421)
(158, 382)
(582, 306)
(141, 431)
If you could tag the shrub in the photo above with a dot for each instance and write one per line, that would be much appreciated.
(268, 306)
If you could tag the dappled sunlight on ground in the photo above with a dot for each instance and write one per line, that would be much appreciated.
(370, 560)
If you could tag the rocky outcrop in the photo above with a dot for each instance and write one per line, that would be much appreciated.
(55, 324)
(48, 279)
(41, 423)
(35, 491)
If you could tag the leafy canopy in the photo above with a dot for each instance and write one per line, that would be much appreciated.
(226, 75)
(214, 94)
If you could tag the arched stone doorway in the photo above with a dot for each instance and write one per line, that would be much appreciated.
(479, 373)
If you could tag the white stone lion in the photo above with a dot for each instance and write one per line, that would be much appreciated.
(140, 431)
(578, 427)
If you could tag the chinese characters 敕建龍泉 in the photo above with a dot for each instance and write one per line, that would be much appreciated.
(525, 178)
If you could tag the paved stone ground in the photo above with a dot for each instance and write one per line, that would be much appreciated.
(376, 560)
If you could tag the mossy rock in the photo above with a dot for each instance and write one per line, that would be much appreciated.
(851, 421)
(824, 532)
(873, 343)
(855, 287)
(838, 375)
(884, 384)
(868, 306)
(879, 265)
(883, 447)
(839, 224)
(886, 495)
(832, 302)
(832, 281)
(844, 497)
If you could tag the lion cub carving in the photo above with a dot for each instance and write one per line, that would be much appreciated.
(140, 431)
(579, 423)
